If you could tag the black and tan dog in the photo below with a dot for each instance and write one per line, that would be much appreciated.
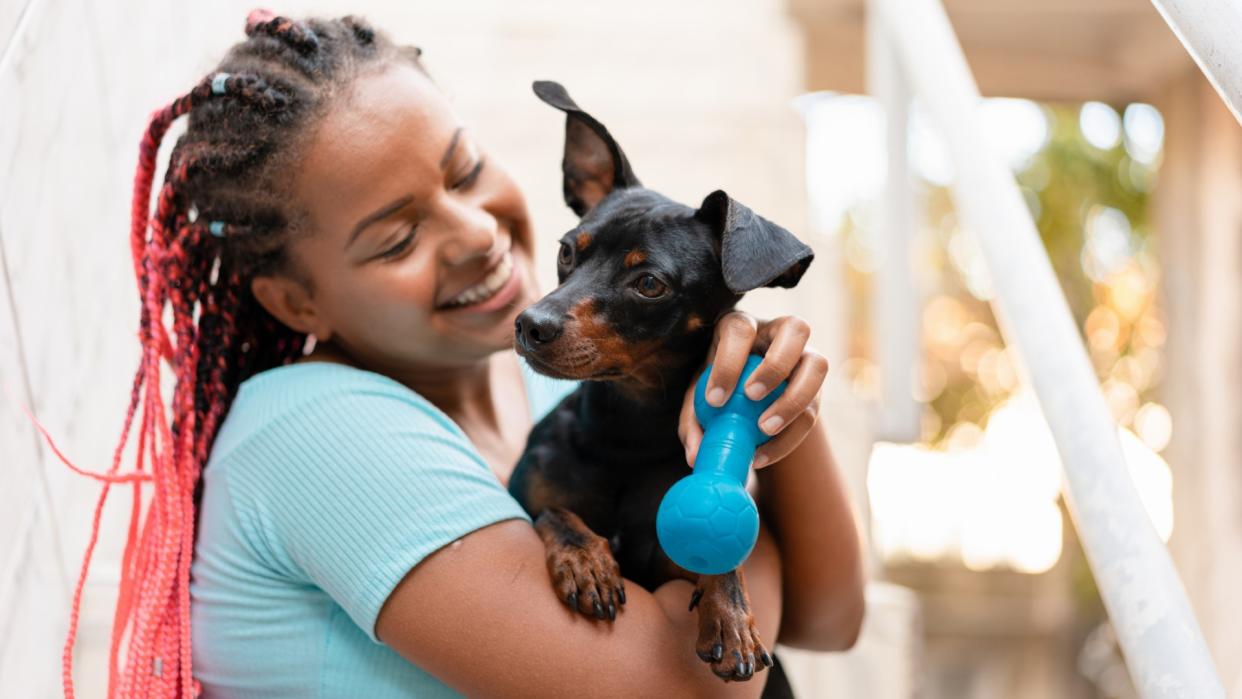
(642, 281)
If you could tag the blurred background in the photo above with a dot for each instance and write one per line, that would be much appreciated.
(1128, 161)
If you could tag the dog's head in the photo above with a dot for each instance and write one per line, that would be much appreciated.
(642, 278)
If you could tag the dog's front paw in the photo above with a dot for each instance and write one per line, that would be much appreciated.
(584, 573)
(728, 638)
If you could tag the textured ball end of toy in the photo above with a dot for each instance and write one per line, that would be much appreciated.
(707, 524)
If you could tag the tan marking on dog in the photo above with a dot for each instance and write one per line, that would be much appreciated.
(640, 364)
(725, 618)
(634, 258)
(693, 323)
(540, 494)
(576, 555)
(582, 241)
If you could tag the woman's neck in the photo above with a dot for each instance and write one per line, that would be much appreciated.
(465, 393)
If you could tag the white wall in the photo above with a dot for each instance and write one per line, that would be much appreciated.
(697, 92)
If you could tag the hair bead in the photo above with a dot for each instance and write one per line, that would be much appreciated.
(217, 83)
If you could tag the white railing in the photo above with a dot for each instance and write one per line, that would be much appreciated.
(1146, 602)
(1212, 35)
(896, 299)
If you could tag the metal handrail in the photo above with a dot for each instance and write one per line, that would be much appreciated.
(1211, 32)
(1162, 643)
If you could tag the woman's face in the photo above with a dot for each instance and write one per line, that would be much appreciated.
(420, 254)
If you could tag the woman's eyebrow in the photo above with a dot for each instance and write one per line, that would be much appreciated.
(452, 146)
(389, 208)
(376, 215)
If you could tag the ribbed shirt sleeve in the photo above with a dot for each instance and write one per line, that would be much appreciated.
(354, 488)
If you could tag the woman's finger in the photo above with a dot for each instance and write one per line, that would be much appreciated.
(735, 334)
(801, 393)
(688, 428)
(788, 336)
(783, 444)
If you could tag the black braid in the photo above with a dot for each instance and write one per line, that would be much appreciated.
(231, 167)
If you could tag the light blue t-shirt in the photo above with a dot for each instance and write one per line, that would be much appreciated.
(326, 484)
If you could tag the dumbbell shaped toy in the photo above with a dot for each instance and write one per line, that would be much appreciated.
(707, 522)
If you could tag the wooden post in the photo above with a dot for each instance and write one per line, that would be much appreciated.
(1197, 210)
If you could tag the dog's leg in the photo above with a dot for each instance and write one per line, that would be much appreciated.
(728, 638)
(584, 573)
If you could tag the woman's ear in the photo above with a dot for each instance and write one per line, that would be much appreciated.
(292, 304)
(594, 164)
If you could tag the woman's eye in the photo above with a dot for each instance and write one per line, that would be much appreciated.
(470, 177)
(399, 247)
(650, 287)
(566, 255)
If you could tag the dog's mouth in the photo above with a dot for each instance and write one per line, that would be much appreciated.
(571, 367)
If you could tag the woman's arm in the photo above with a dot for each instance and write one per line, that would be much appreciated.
(803, 497)
(482, 616)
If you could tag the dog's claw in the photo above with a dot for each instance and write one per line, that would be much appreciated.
(583, 570)
(621, 593)
(728, 639)
(748, 668)
(694, 599)
(612, 611)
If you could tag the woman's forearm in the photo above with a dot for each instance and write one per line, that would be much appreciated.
(762, 577)
(803, 499)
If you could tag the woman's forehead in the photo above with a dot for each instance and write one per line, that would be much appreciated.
(389, 128)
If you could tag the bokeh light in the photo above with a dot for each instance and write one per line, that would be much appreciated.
(1144, 129)
(982, 487)
(1100, 125)
(989, 499)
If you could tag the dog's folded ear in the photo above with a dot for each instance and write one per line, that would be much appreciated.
(754, 252)
(594, 164)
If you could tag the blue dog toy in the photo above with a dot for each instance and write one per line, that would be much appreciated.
(707, 522)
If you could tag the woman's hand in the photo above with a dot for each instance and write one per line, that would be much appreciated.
(786, 357)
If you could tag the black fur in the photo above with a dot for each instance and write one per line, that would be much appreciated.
(610, 450)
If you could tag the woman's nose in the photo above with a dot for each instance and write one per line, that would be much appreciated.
(472, 233)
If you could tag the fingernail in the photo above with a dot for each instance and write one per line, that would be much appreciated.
(755, 391)
(716, 397)
(761, 460)
(773, 424)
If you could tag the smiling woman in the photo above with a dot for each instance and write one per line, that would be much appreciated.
(351, 534)
(413, 250)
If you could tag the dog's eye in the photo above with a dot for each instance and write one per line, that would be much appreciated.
(566, 256)
(649, 286)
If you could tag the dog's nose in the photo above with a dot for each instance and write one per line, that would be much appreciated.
(535, 326)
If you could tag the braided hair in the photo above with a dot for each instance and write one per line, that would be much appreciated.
(220, 219)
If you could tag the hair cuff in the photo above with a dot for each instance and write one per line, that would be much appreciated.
(217, 83)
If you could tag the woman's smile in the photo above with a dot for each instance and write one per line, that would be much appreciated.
(498, 287)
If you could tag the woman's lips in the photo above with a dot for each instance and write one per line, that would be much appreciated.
(484, 287)
(503, 293)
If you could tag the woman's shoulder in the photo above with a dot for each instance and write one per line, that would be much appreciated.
(323, 402)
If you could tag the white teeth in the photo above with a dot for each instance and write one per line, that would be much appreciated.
(486, 288)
